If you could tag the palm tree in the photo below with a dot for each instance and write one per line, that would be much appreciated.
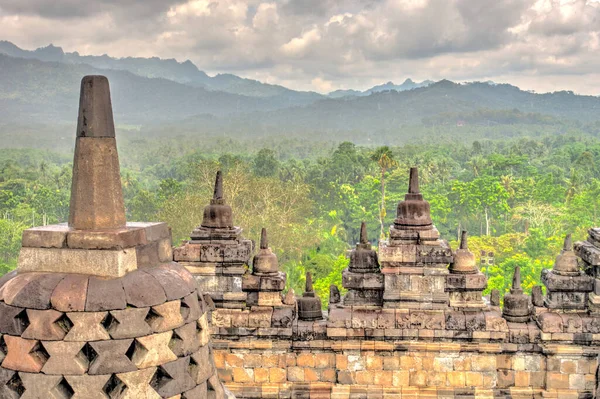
(385, 160)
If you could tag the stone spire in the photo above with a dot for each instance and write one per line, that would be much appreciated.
(363, 278)
(218, 214)
(517, 305)
(88, 290)
(413, 212)
(567, 286)
(96, 194)
(309, 305)
(464, 260)
(265, 261)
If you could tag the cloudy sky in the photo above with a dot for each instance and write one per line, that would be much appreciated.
(323, 45)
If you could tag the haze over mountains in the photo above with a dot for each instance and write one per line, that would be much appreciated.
(42, 86)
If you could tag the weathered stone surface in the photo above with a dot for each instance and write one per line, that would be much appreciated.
(174, 286)
(66, 358)
(13, 320)
(190, 308)
(165, 317)
(128, 323)
(35, 293)
(105, 294)
(126, 237)
(135, 385)
(185, 340)
(87, 327)
(11, 386)
(88, 386)
(203, 367)
(103, 263)
(70, 294)
(46, 325)
(153, 350)
(173, 378)
(143, 290)
(110, 357)
(282, 317)
(54, 236)
(40, 386)
(24, 355)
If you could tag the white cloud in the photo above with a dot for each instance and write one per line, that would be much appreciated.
(330, 44)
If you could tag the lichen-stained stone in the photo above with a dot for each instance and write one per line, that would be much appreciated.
(165, 317)
(142, 290)
(65, 358)
(153, 350)
(70, 294)
(190, 308)
(184, 340)
(111, 356)
(202, 365)
(46, 325)
(282, 317)
(37, 292)
(173, 284)
(87, 327)
(136, 385)
(173, 378)
(88, 386)
(128, 323)
(105, 294)
(203, 330)
(40, 386)
(24, 355)
(13, 320)
(11, 386)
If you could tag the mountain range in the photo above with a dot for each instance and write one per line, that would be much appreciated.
(42, 86)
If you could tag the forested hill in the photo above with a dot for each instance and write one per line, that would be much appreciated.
(180, 72)
(46, 92)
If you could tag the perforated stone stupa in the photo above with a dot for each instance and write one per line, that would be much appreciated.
(96, 308)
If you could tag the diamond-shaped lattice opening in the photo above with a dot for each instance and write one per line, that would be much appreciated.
(109, 322)
(176, 341)
(3, 347)
(160, 378)
(16, 385)
(185, 310)
(193, 368)
(153, 318)
(40, 353)
(135, 348)
(22, 320)
(64, 323)
(114, 387)
(89, 353)
(63, 390)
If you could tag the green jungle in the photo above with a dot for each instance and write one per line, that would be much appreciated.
(517, 195)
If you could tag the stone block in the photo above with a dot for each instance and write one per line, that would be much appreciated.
(173, 378)
(269, 299)
(260, 316)
(273, 283)
(282, 317)
(66, 358)
(127, 237)
(175, 280)
(185, 341)
(87, 327)
(38, 386)
(105, 294)
(46, 325)
(53, 236)
(71, 293)
(108, 357)
(31, 290)
(550, 322)
(143, 290)
(165, 317)
(250, 282)
(88, 386)
(101, 263)
(11, 385)
(24, 355)
(136, 384)
(203, 367)
(153, 350)
(13, 320)
(128, 323)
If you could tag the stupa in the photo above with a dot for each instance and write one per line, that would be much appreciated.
(96, 308)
